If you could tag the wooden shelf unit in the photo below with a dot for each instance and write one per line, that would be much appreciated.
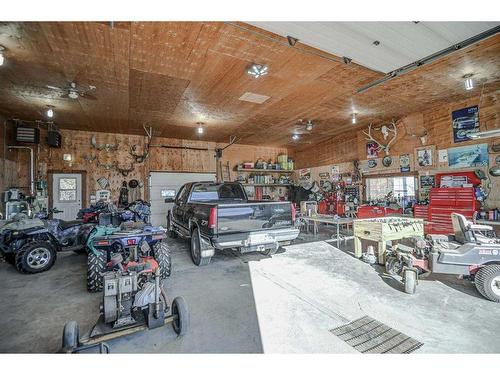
(264, 170)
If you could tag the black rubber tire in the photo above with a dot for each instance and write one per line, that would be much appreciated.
(181, 322)
(21, 257)
(171, 233)
(390, 266)
(196, 249)
(96, 265)
(410, 281)
(270, 252)
(483, 280)
(71, 336)
(161, 253)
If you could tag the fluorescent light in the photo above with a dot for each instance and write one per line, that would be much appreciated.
(2, 59)
(485, 134)
(469, 84)
(309, 125)
(200, 129)
(295, 137)
(50, 113)
(353, 118)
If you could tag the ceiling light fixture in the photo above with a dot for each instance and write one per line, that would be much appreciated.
(2, 58)
(200, 129)
(469, 83)
(309, 125)
(258, 70)
(354, 118)
(50, 112)
(295, 137)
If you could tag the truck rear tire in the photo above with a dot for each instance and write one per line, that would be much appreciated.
(196, 249)
(410, 281)
(162, 255)
(487, 281)
(96, 264)
(270, 251)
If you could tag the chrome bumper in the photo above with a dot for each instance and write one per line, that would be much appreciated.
(252, 239)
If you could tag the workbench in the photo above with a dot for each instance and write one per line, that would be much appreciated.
(328, 219)
(382, 230)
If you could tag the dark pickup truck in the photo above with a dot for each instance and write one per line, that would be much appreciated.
(220, 216)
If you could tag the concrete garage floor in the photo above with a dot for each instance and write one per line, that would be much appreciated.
(253, 304)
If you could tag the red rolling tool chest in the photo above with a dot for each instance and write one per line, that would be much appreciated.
(443, 202)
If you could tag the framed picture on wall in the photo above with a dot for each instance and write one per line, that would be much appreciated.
(465, 121)
(425, 157)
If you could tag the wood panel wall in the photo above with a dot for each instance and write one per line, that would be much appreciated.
(436, 121)
(78, 144)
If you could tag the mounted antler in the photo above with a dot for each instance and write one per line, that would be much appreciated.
(386, 130)
(139, 158)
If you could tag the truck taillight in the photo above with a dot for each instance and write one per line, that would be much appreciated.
(294, 212)
(212, 218)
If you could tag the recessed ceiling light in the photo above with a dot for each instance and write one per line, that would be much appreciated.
(469, 83)
(295, 137)
(50, 112)
(258, 70)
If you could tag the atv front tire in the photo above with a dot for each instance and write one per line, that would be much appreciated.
(35, 257)
(96, 264)
(162, 255)
(487, 281)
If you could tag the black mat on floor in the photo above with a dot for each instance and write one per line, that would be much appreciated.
(368, 335)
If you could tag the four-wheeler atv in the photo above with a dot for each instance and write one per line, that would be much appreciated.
(133, 300)
(32, 244)
(136, 242)
(473, 252)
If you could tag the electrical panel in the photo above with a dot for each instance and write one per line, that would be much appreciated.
(54, 138)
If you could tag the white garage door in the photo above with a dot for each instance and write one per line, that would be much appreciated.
(165, 183)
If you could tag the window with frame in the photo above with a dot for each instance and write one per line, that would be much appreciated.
(67, 189)
(378, 188)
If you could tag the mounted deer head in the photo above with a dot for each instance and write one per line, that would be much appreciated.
(386, 132)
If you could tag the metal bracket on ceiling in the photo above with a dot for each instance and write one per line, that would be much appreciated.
(428, 59)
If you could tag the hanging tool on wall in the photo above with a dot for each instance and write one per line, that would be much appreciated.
(89, 158)
(140, 158)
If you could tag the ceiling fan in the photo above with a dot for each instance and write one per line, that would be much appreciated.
(72, 91)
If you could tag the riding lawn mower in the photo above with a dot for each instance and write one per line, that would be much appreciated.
(133, 300)
(472, 253)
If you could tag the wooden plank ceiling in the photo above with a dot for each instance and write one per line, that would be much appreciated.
(171, 75)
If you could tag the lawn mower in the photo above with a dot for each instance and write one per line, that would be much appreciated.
(133, 300)
(32, 243)
(137, 243)
(472, 253)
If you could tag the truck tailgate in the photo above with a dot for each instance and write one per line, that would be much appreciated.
(255, 216)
